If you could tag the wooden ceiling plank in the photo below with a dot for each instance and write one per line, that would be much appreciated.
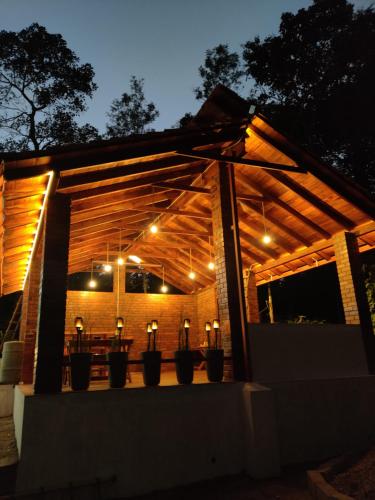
(182, 187)
(267, 196)
(143, 181)
(247, 205)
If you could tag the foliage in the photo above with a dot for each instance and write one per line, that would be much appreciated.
(184, 120)
(303, 320)
(131, 114)
(316, 79)
(139, 280)
(369, 272)
(43, 88)
(220, 66)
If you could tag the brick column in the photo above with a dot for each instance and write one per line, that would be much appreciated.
(54, 277)
(353, 292)
(29, 315)
(251, 297)
(228, 266)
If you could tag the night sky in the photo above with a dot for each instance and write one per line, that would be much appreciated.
(163, 41)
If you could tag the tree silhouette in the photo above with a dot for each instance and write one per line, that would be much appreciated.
(43, 88)
(131, 114)
(220, 66)
(316, 80)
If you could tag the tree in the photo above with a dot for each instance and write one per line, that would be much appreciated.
(316, 80)
(220, 66)
(131, 114)
(43, 88)
(184, 120)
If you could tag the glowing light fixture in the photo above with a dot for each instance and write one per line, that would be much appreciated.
(266, 238)
(92, 282)
(154, 324)
(120, 261)
(39, 225)
(154, 229)
(135, 259)
(191, 273)
(119, 322)
(148, 328)
(208, 326)
(107, 266)
(163, 288)
(186, 323)
(216, 325)
(78, 323)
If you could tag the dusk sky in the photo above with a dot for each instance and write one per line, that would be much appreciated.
(163, 41)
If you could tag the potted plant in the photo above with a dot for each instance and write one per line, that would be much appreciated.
(80, 361)
(214, 355)
(151, 357)
(184, 357)
(117, 359)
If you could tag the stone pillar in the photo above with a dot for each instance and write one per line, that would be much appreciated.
(228, 266)
(54, 276)
(353, 292)
(251, 298)
(29, 315)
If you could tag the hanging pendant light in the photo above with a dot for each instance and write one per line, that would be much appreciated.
(163, 288)
(92, 282)
(154, 229)
(266, 238)
(107, 266)
(211, 264)
(191, 273)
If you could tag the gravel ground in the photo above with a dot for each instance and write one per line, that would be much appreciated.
(358, 481)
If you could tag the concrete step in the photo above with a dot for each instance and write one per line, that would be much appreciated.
(8, 445)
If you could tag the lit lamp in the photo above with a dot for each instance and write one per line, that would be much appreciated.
(107, 266)
(119, 326)
(163, 288)
(216, 326)
(154, 229)
(266, 238)
(154, 328)
(186, 328)
(78, 323)
(208, 332)
(92, 282)
(148, 331)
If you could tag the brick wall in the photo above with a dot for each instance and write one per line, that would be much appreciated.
(206, 310)
(98, 310)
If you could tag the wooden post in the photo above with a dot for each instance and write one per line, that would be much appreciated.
(54, 272)
(270, 304)
(353, 292)
(229, 274)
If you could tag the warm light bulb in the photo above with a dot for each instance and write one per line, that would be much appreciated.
(266, 239)
(211, 266)
(164, 289)
(120, 261)
(154, 228)
(135, 259)
(107, 268)
(192, 275)
(92, 284)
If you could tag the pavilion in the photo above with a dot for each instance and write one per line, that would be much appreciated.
(214, 189)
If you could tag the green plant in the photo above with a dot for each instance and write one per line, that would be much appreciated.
(369, 278)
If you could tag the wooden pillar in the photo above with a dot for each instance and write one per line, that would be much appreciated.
(54, 273)
(29, 315)
(228, 266)
(353, 292)
(251, 297)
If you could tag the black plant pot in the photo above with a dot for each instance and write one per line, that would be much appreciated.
(215, 364)
(184, 366)
(151, 367)
(80, 368)
(117, 362)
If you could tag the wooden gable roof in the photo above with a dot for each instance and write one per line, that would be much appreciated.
(124, 186)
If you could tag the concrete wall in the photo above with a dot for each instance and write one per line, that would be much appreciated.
(297, 352)
(151, 438)
(320, 419)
